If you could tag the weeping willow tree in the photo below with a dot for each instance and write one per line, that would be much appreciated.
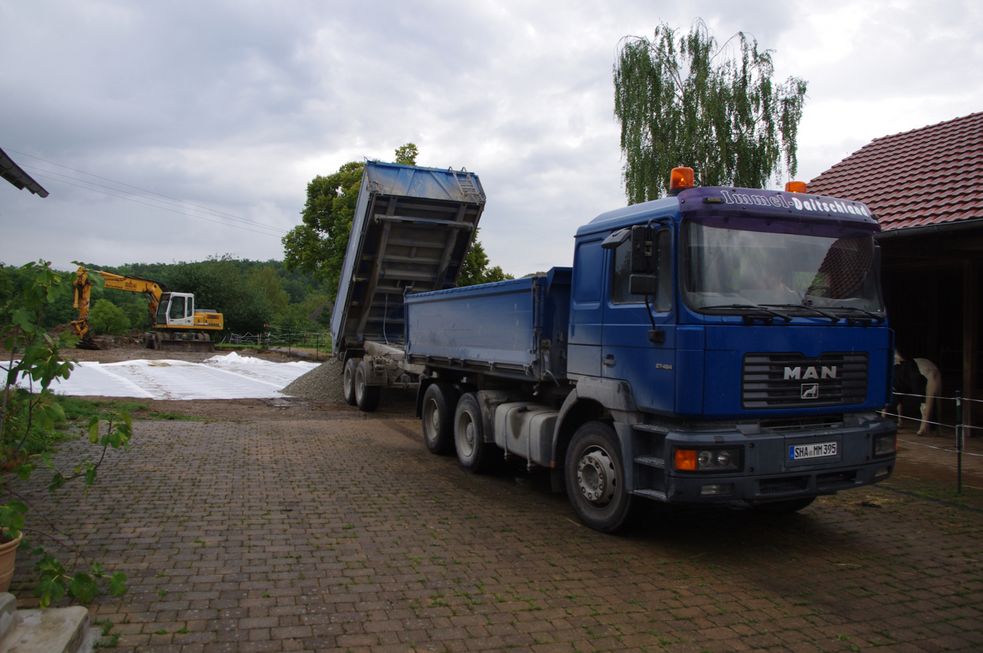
(688, 101)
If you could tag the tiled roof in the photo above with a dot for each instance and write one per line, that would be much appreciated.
(932, 175)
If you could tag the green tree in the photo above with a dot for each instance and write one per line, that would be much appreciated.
(136, 311)
(250, 294)
(715, 108)
(406, 154)
(309, 316)
(317, 246)
(16, 280)
(265, 282)
(108, 319)
(475, 268)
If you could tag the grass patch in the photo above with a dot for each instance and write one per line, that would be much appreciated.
(169, 417)
(82, 410)
(78, 411)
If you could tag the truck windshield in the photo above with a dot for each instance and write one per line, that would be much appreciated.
(798, 268)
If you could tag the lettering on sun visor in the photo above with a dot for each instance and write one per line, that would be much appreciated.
(806, 203)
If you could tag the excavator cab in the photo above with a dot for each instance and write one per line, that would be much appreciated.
(176, 309)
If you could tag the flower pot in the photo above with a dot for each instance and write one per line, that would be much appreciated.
(8, 552)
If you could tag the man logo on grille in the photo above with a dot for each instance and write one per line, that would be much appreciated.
(810, 372)
(809, 391)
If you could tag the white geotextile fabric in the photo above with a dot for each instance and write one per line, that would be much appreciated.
(229, 376)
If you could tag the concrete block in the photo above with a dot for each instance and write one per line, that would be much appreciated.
(8, 606)
(55, 630)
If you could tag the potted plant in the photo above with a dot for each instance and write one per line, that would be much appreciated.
(12, 520)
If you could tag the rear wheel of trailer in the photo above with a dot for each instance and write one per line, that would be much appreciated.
(473, 452)
(439, 402)
(366, 396)
(348, 381)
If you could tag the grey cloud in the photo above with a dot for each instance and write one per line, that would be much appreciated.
(238, 105)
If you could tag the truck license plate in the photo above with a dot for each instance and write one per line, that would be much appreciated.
(812, 450)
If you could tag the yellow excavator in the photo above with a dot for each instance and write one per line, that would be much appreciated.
(175, 321)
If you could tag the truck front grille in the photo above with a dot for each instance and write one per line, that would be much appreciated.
(791, 380)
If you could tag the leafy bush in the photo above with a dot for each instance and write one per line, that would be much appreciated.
(108, 319)
(30, 418)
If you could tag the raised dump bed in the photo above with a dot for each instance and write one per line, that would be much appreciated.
(411, 232)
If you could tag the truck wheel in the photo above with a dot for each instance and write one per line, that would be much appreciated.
(348, 381)
(439, 402)
(595, 478)
(786, 507)
(366, 396)
(472, 451)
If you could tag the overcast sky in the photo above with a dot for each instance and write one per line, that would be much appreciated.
(176, 131)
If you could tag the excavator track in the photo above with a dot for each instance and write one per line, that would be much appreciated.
(87, 343)
(179, 341)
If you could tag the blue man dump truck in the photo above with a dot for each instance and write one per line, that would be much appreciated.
(721, 345)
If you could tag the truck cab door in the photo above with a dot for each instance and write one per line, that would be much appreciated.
(586, 308)
(638, 339)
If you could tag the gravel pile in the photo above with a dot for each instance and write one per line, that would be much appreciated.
(323, 383)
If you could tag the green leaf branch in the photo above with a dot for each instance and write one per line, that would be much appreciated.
(31, 419)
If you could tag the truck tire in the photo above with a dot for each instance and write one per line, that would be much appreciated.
(439, 402)
(366, 396)
(348, 381)
(595, 478)
(472, 451)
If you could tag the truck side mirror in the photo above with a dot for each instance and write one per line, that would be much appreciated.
(643, 250)
(643, 284)
(615, 239)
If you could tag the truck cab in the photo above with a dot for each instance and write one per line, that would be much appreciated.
(737, 342)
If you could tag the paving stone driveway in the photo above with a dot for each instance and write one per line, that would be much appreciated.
(344, 533)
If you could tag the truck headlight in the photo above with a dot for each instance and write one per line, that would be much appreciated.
(718, 459)
(885, 444)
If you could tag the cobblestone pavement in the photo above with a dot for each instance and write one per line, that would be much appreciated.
(336, 531)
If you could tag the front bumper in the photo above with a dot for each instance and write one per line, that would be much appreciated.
(767, 471)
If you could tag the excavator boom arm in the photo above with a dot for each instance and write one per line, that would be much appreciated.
(134, 284)
(82, 293)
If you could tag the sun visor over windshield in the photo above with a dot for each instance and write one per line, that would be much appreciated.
(791, 213)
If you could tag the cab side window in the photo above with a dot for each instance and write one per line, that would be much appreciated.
(177, 308)
(587, 287)
(621, 272)
(621, 275)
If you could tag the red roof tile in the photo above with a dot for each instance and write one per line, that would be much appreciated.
(932, 175)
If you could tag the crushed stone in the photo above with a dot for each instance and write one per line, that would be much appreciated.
(323, 383)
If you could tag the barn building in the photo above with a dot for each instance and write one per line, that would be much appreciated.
(925, 186)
